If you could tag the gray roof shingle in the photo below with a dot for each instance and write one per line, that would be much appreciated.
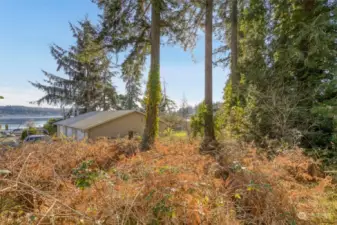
(93, 119)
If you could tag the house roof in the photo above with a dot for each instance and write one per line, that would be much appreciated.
(93, 119)
(75, 119)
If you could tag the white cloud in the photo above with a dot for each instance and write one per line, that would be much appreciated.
(20, 96)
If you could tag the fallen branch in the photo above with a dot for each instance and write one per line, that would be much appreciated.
(44, 216)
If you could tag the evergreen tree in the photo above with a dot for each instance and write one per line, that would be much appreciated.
(304, 59)
(209, 124)
(153, 92)
(235, 76)
(131, 99)
(107, 90)
(88, 84)
(248, 64)
(286, 60)
(130, 26)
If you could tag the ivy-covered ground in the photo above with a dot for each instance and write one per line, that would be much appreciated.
(111, 182)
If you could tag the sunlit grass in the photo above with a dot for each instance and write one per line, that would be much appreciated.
(181, 134)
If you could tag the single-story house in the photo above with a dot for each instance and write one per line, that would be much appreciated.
(111, 124)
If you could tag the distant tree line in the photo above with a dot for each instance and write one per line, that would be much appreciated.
(24, 110)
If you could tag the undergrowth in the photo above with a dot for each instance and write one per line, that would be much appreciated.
(110, 182)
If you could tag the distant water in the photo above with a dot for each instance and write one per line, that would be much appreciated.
(15, 122)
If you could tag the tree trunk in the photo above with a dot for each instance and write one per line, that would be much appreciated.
(104, 91)
(235, 76)
(153, 85)
(88, 86)
(209, 127)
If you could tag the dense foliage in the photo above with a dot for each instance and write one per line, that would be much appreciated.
(50, 126)
(28, 131)
(198, 121)
(287, 62)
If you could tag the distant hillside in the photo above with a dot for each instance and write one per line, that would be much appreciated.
(24, 110)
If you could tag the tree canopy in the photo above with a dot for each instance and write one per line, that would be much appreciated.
(88, 85)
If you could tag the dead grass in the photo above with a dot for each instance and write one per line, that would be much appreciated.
(171, 184)
(284, 190)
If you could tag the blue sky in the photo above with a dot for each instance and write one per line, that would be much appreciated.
(27, 28)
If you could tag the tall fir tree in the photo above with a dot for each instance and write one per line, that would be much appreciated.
(128, 26)
(209, 123)
(235, 75)
(88, 84)
(153, 92)
(131, 99)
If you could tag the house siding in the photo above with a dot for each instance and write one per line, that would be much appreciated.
(61, 130)
(120, 127)
(80, 135)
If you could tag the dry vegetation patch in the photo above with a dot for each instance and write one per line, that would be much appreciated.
(110, 182)
(289, 189)
(107, 183)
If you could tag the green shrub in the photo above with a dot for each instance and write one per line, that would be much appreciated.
(28, 131)
(168, 132)
(50, 126)
(198, 121)
(84, 175)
